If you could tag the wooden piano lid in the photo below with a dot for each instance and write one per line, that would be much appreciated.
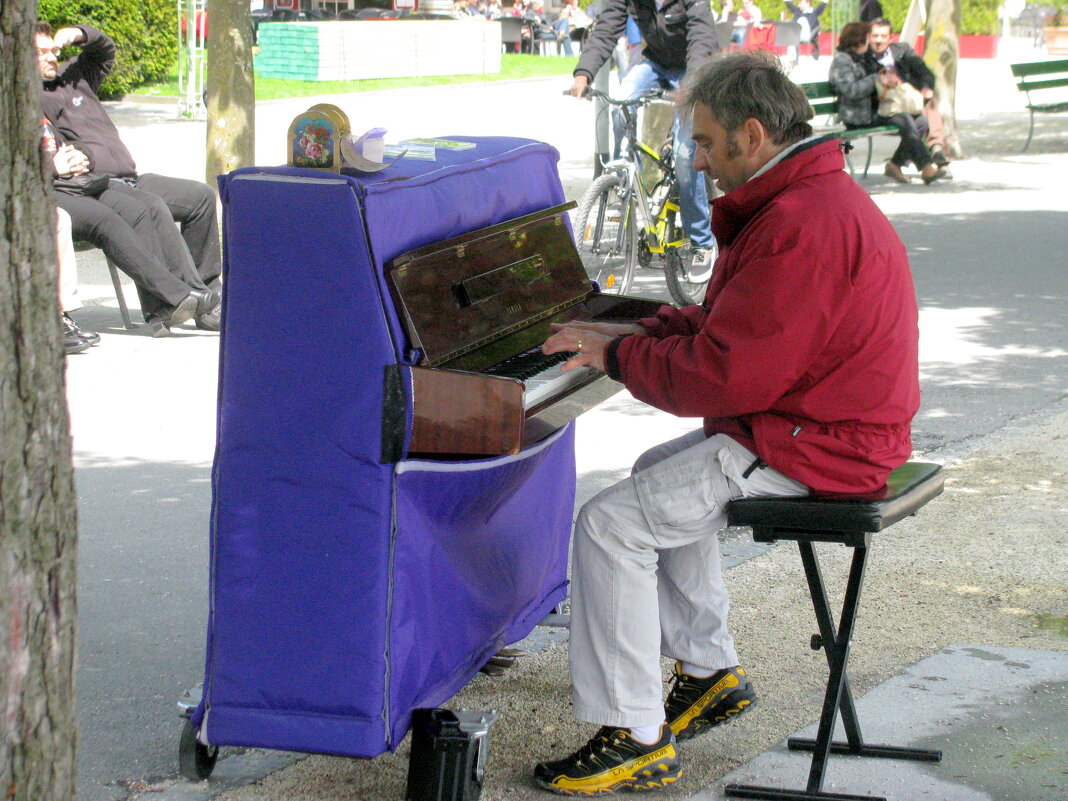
(462, 293)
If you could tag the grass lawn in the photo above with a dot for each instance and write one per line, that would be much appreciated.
(514, 66)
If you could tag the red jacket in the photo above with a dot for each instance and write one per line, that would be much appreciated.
(805, 349)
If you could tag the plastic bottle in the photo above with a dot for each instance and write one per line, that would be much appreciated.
(49, 138)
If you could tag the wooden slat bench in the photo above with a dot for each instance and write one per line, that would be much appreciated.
(1039, 76)
(824, 101)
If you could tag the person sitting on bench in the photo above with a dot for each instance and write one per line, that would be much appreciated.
(858, 81)
(900, 58)
(135, 231)
(75, 339)
(748, 16)
(809, 19)
(69, 100)
(803, 362)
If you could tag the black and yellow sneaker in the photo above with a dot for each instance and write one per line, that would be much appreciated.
(696, 705)
(610, 762)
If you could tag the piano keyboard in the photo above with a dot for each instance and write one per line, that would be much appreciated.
(540, 373)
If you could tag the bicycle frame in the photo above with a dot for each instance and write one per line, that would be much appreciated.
(644, 222)
(629, 168)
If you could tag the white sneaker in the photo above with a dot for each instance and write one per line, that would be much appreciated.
(701, 265)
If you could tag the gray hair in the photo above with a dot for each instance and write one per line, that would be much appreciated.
(752, 84)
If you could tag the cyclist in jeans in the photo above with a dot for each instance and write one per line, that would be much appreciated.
(679, 35)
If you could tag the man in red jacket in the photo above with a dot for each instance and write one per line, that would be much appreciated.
(802, 360)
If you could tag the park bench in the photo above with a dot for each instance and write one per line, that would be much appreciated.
(825, 102)
(1039, 76)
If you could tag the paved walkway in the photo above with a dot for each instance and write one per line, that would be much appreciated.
(959, 584)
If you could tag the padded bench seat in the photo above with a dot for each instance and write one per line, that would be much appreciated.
(833, 518)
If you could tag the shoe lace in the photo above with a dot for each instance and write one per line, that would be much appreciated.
(604, 748)
(684, 692)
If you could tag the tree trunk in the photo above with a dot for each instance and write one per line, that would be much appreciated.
(37, 502)
(942, 53)
(231, 88)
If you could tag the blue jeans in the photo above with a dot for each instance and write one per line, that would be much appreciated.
(562, 28)
(693, 196)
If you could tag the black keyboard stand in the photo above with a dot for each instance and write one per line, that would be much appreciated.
(850, 521)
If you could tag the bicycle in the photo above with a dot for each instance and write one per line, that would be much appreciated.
(622, 225)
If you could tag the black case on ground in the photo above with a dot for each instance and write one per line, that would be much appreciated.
(448, 756)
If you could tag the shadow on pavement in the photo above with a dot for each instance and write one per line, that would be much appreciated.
(142, 576)
(995, 334)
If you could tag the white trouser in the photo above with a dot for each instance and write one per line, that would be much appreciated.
(646, 545)
(68, 265)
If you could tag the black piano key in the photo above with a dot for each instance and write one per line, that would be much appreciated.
(528, 364)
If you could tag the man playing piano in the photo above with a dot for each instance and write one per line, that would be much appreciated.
(802, 360)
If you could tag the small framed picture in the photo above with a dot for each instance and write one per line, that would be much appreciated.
(315, 136)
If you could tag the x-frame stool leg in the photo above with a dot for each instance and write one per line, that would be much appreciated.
(838, 696)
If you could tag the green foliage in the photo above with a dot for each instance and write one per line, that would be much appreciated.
(977, 16)
(1059, 17)
(145, 34)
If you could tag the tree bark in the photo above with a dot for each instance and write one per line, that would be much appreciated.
(942, 54)
(231, 88)
(37, 503)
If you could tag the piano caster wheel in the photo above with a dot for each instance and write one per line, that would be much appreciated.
(196, 761)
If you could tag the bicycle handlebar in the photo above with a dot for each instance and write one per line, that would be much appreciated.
(644, 99)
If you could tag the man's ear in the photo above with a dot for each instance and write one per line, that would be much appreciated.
(753, 136)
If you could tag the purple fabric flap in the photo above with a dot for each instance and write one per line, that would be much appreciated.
(446, 202)
(480, 557)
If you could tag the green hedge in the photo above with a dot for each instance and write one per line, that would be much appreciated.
(977, 16)
(145, 33)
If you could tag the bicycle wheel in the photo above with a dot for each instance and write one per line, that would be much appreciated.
(686, 286)
(607, 234)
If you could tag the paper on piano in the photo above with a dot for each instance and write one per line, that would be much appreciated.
(419, 152)
(444, 144)
(550, 382)
(371, 143)
(357, 150)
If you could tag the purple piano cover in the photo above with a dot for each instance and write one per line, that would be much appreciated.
(346, 592)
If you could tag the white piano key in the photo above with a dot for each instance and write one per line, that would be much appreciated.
(550, 382)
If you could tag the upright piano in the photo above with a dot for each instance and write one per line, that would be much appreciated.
(392, 502)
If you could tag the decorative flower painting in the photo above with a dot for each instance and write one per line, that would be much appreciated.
(313, 143)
